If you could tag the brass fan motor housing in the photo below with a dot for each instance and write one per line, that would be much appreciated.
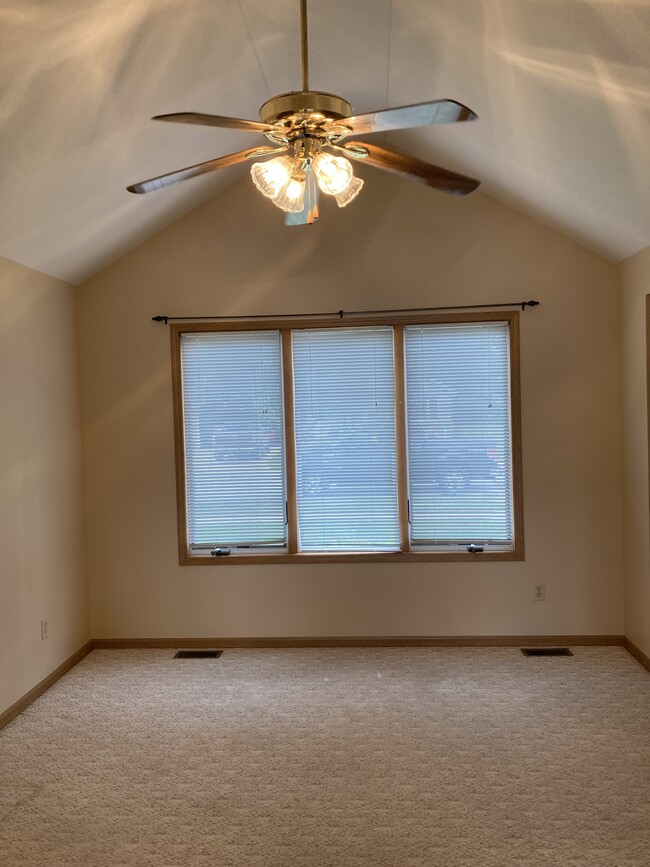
(301, 102)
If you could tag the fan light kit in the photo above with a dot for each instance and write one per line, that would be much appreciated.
(311, 155)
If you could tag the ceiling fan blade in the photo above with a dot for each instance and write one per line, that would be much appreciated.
(407, 116)
(401, 164)
(215, 120)
(202, 169)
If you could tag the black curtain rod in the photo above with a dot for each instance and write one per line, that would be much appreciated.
(342, 313)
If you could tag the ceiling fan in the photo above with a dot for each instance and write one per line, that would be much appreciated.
(310, 131)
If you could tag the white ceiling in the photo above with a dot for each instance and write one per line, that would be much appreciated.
(562, 89)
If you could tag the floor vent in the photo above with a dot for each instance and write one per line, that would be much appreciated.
(198, 654)
(546, 651)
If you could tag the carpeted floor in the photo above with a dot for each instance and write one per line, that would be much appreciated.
(311, 758)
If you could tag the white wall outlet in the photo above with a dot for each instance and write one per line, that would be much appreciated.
(44, 634)
(540, 592)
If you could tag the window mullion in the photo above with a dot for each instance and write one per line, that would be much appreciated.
(400, 431)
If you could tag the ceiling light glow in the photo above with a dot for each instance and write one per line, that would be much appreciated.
(334, 173)
(271, 176)
(350, 192)
(291, 196)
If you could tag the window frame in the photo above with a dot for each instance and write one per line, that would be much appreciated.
(293, 555)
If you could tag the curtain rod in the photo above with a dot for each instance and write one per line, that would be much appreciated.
(342, 313)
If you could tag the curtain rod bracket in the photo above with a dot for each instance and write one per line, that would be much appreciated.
(164, 319)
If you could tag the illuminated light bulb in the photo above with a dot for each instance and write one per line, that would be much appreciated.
(333, 173)
(350, 192)
(291, 197)
(271, 176)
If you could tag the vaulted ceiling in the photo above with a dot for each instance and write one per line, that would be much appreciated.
(561, 87)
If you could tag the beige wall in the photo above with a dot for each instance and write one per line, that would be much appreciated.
(43, 572)
(398, 245)
(635, 286)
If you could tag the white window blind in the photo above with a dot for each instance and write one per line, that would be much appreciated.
(459, 434)
(234, 439)
(345, 439)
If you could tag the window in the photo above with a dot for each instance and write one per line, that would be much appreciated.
(233, 430)
(374, 440)
(346, 456)
(458, 434)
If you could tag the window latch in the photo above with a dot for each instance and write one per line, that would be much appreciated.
(475, 549)
(220, 552)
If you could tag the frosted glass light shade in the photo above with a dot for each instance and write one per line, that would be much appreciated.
(333, 173)
(271, 176)
(350, 192)
(291, 196)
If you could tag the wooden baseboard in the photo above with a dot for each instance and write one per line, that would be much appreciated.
(44, 685)
(355, 641)
(639, 655)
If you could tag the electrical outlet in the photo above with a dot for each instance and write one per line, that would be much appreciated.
(43, 630)
(540, 592)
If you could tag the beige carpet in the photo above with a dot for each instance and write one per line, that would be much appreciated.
(299, 758)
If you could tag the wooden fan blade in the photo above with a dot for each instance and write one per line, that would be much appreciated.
(202, 169)
(215, 120)
(401, 164)
(407, 116)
